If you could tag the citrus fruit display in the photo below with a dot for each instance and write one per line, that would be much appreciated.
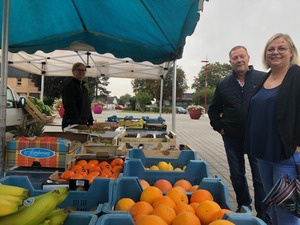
(174, 207)
(93, 168)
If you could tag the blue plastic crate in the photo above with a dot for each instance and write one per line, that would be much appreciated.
(115, 219)
(81, 219)
(114, 118)
(129, 187)
(126, 219)
(159, 119)
(184, 157)
(195, 171)
(242, 219)
(89, 202)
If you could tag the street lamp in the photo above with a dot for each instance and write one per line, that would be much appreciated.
(205, 90)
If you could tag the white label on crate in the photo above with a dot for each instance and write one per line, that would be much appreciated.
(80, 183)
(39, 153)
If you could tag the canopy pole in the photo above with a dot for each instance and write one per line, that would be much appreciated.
(3, 89)
(43, 80)
(161, 94)
(174, 96)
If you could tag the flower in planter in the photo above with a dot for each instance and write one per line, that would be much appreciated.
(57, 103)
(97, 107)
(97, 103)
(195, 107)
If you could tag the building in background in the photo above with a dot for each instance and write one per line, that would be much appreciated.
(21, 82)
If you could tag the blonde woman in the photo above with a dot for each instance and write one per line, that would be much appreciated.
(273, 129)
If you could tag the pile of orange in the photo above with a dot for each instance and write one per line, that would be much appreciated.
(90, 169)
(165, 185)
(174, 207)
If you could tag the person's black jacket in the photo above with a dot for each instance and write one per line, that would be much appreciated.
(229, 106)
(76, 103)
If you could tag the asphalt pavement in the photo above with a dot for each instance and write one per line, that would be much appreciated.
(197, 133)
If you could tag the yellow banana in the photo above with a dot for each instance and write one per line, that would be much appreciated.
(13, 190)
(63, 194)
(45, 222)
(35, 213)
(7, 208)
(57, 216)
(13, 199)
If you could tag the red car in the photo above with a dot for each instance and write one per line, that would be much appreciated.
(119, 107)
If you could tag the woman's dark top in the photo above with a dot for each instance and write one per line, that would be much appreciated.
(77, 104)
(262, 138)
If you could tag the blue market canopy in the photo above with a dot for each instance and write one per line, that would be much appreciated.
(143, 30)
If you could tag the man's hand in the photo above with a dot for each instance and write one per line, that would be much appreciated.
(222, 132)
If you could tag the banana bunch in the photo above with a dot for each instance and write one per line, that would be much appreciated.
(11, 198)
(38, 210)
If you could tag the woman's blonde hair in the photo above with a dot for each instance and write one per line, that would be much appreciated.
(294, 59)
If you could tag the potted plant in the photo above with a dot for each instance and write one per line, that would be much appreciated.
(97, 107)
(195, 111)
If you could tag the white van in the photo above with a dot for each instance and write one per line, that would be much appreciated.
(14, 109)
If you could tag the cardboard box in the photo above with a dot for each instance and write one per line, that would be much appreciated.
(94, 148)
(148, 140)
(44, 151)
(96, 135)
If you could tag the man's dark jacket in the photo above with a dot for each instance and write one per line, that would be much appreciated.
(77, 104)
(229, 107)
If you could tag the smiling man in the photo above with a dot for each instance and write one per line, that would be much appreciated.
(227, 114)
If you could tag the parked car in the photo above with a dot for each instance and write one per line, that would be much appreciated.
(14, 109)
(119, 107)
(180, 110)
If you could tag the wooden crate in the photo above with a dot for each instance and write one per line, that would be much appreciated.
(132, 124)
(160, 153)
(169, 139)
(37, 114)
(106, 126)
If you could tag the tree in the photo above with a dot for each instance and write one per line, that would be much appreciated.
(97, 87)
(143, 99)
(212, 73)
(153, 87)
(123, 99)
(181, 83)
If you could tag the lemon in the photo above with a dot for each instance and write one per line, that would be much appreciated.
(177, 168)
(163, 165)
(154, 167)
(170, 166)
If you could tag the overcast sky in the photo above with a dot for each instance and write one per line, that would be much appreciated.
(226, 23)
